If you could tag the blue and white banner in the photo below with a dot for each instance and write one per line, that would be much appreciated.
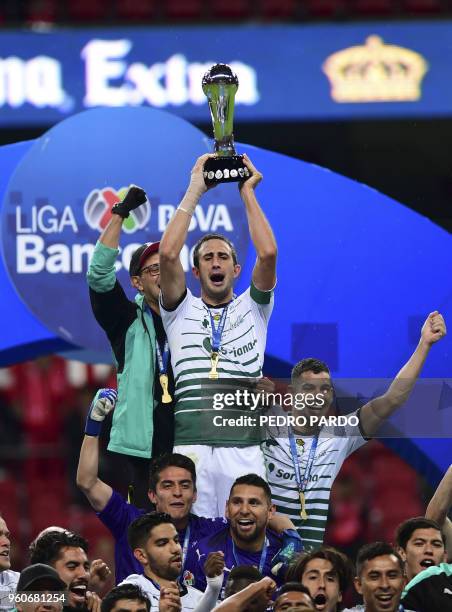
(286, 72)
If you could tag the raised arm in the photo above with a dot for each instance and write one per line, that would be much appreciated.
(377, 410)
(264, 273)
(120, 211)
(172, 276)
(97, 492)
(439, 507)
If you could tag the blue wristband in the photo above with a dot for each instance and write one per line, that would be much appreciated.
(92, 427)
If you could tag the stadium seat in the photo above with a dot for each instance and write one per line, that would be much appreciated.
(277, 9)
(42, 11)
(373, 7)
(184, 9)
(323, 8)
(88, 10)
(422, 6)
(136, 10)
(232, 9)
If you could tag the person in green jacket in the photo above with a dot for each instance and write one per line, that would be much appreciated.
(143, 421)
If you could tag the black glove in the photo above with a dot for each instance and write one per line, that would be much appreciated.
(134, 198)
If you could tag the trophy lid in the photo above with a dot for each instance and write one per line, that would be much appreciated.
(220, 73)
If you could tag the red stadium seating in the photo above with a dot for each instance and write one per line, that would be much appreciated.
(323, 8)
(232, 9)
(373, 7)
(136, 10)
(277, 9)
(184, 9)
(422, 6)
(88, 10)
(44, 11)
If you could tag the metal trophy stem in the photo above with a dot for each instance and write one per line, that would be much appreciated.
(220, 85)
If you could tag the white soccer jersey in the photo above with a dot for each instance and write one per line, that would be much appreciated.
(189, 600)
(189, 332)
(8, 584)
(334, 446)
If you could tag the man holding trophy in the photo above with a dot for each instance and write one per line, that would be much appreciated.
(205, 333)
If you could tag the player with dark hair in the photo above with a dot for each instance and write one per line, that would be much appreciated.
(222, 334)
(8, 578)
(379, 578)
(172, 488)
(326, 572)
(67, 553)
(125, 598)
(293, 596)
(421, 545)
(155, 544)
(138, 341)
(247, 540)
(303, 461)
(240, 577)
(255, 597)
(99, 572)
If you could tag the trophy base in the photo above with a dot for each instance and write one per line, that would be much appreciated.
(225, 170)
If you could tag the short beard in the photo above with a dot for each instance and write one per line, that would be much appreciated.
(220, 297)
(167, 573)
(252, 537)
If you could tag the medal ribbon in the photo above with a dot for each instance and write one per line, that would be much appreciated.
(162, 357)
(302, 482)
(262, 559)
(217, 332)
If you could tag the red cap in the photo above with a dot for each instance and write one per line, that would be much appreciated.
(141, 254)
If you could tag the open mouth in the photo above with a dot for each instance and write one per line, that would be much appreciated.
(320, 601)
(177, 505)
(79, 592)
(217, 279)
(425, 563)
(385, 599)
(4, 553)
(245, 524)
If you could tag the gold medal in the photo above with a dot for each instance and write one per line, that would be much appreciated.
(213, 374)
(303, 513)
(166, 397)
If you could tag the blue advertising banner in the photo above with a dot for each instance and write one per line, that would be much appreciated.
(286, 72)
(358, 273)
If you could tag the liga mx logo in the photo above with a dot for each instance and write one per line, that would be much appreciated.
(98, 205)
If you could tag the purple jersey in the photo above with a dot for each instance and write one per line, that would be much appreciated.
(117, 516)
(233, 556)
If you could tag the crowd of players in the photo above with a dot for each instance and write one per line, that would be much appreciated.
(249, 569)
(239, 512)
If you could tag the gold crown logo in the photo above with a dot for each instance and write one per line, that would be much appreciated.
(375, 72)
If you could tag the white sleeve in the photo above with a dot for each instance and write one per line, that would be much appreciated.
(353, 433)
(169, 317)
(210, 596)
(262, 302)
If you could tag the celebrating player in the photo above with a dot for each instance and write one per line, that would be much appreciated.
(206, 334)
(303, 462)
